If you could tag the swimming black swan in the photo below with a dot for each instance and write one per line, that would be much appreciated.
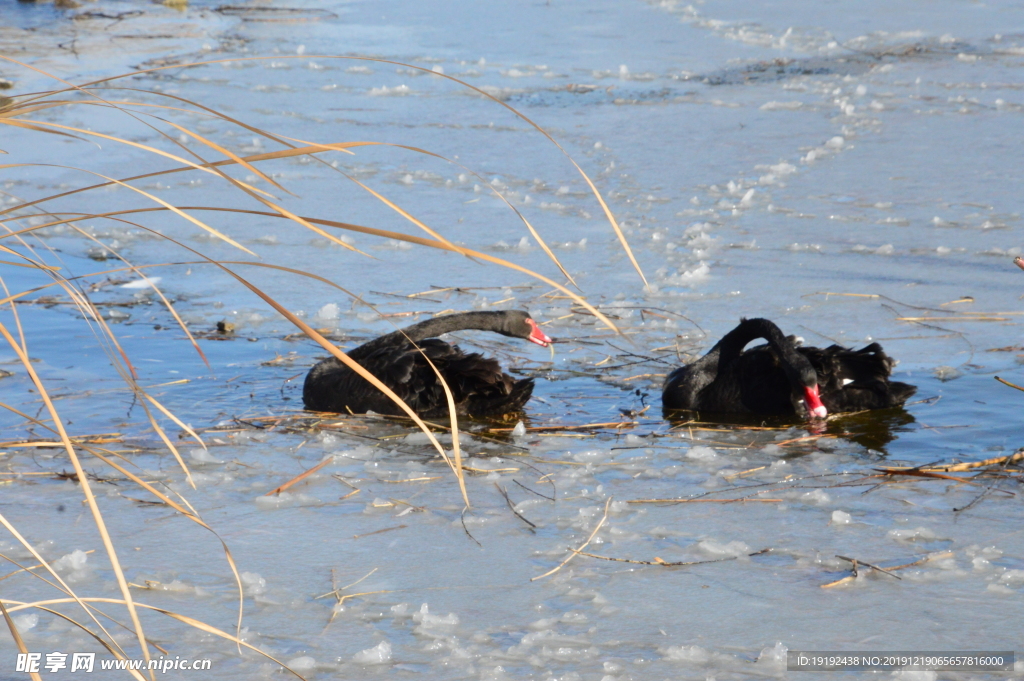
(783, 378)
(479, 386)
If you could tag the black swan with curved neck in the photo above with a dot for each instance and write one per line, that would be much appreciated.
(479, 386)
(784, 378)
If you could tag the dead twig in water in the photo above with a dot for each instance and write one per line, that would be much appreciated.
(850, 578)
(300, 477)
(544, 496)
(1005, 382)
(462, 517)
(665, 563)
(504, 493)
(575, 552)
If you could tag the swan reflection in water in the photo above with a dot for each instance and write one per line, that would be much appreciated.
(874, 429)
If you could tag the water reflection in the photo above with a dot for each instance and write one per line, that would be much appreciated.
(873, 430)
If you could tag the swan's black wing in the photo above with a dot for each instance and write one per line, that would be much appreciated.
(753, 382)
(478, 385)
(855, 380)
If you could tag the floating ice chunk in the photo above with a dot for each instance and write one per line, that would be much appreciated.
(328, 311)
(817, 497)
(427, 622)
(380, 653)
(145, 282)
(887, 249)
(634, 440)
(253, 584)
(917, 534)
(841, 518)
(1012, 577)
(701, 453)
(519, 430)
(71, 562)
(691, 654)
(200, 455)
(946, 373)
(733, 549)
(780, 106)
(385, 91)
(590, 456)
(25, 622)
(837, 142)
(302, 664)
(774, 658)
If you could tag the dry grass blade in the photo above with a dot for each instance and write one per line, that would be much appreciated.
(87, 490)
(398, 236)
(192, 622)
(299, 478)
(593, 188)
(152, 197)
(575, 552)
(16, 635)
(189, 513)
(1012, 385)
(967, 466)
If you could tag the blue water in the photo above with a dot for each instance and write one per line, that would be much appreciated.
(761, 159)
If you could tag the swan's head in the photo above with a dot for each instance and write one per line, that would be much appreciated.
(804, 379)
(536, 335)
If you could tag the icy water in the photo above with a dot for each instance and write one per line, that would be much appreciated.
(851, 171)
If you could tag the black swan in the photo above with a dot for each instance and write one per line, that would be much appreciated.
(478, 384)
(784, 378)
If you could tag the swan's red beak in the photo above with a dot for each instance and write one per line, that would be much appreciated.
(814, 405)
(536, 335)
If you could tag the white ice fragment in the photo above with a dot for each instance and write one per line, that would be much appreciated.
(145, 282)
(379, 654)
(701, 453)
(841, 518)
(733, 549)
(774, 658)
(519, 430)
(1012, 577)
(302, 664)
(634, 440)
(836, 142)
(25, 622)
(71, 562)
(817, 497)
(427, 622)
(328, 311)
(917, 534)
(253, 583)
(692, 654)
(780, 106)
(385, 91)
(200, 455)
(946, 373)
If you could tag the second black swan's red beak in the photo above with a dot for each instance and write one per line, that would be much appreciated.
(814, 405)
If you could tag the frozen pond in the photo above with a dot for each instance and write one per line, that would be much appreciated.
(851, 171)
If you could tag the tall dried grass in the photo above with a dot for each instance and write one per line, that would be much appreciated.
(24, 246)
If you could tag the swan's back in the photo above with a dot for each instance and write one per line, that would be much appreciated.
(479, 386)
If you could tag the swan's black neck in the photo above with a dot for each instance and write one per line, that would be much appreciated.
(732, 343)
(506, 322)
